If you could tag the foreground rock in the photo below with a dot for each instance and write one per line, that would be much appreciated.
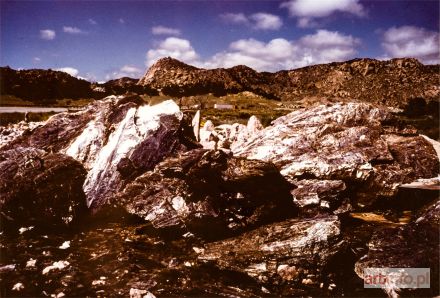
(294, 251)
(342, 142)
(415, 245)
(40, 188)
(115, 139)
(209, 193)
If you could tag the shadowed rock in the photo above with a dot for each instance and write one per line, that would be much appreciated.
(209, 193)
(296, 251)
(41, 188)
(415, 245)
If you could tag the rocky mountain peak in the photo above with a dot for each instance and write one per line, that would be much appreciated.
(172, 63)
(163, 66)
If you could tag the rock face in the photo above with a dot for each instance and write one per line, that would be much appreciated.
(394, 82)
(115, 139)
(343, 142)
(415, 245)
(209, 193)
(40, 188)
(293, 250)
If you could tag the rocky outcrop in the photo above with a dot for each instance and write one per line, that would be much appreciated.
(228, 136)
(40, 188)
(293, 251)
(209, 193)
(394, 83)
(116, 139)
(415, 245)
(343, 142)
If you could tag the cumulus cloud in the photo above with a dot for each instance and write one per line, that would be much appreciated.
(177, 48)
(125, 71)
(257, 21)
(70, 70)
(36, 60)
(307, 11)
(92, 22)
(411, 41)
(162, 30)
(235, 18)
(47, 34)
(266, 21)
(321, 47)
(72, 30)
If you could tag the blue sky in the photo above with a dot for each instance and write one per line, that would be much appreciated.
(101, 40)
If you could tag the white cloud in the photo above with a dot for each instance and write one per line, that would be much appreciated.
(92, 22)
(162, 30)
(47, 34)
(132, 70)
(72, 30)
(308, 10)
(257, 21)
(70, 70)
(410, 41)
(125, 71)
(321, 47)
(36, 60)
(266, 21)
(177, 48)
(235, 18)
(121, 21)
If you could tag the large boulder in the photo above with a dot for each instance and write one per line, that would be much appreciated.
(40, 188)
(294, 251)
(116, 139)
(209, 193)
(343, 142)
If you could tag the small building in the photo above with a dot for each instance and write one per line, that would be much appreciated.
(221, 106)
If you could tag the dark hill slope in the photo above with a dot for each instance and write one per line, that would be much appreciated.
(40, 85)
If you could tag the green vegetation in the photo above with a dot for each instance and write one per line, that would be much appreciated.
(13, 101)
(12, 118)
(245, 105)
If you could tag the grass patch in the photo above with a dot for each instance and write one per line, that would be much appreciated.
(12, 118)
(13, 101)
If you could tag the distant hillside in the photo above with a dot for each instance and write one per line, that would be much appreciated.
(39, 85)
(126, 84)
(395, 82)
(398, 82)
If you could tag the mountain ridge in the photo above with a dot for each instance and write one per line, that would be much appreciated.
(384, 82)
(396, 82)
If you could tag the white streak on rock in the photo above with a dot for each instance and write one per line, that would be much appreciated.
(56, 266)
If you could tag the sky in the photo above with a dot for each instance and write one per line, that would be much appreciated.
(102, 40)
